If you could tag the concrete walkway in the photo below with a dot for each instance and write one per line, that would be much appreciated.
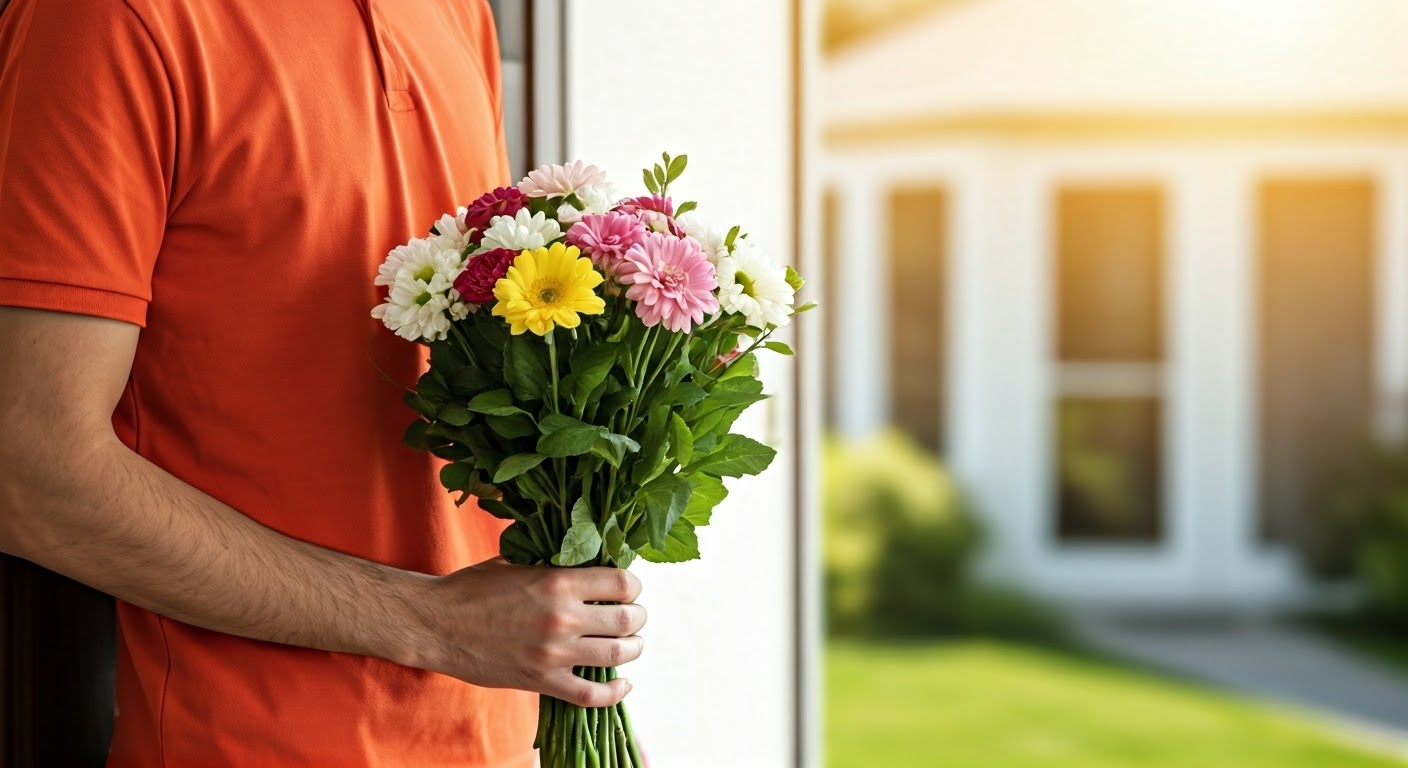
(1267, 659)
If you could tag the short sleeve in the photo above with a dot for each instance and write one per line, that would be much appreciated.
(87, 145)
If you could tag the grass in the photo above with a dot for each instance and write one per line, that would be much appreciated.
(980, 704)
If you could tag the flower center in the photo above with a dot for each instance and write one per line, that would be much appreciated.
(423, 299)
(425, 274)
(671, 278)
(744, 280)
(547, 295)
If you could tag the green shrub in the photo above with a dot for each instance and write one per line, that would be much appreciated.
(1368, 524)
(900, 538)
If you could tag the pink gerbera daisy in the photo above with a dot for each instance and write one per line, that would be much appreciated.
(671, 281)
(561, 180)
(605, 238)
(657, 213)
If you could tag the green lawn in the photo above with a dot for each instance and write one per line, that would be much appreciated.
(988, 705)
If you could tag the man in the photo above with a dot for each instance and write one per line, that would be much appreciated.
(194, 198)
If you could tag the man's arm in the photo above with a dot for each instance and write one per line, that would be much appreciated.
(75, 500)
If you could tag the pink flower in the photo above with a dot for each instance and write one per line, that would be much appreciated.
(655, 212)
(605, 238)
(671, 281)
(476, 282)
(561, 180)
(504, 201)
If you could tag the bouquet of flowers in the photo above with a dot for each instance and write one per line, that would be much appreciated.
(589, 355)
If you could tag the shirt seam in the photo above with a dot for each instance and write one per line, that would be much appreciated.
(73, 286)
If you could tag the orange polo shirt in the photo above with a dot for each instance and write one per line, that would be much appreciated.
(228, 175)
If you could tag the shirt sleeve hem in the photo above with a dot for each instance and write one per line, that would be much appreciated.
(74, 300)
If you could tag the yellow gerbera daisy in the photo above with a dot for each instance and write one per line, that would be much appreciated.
(548, 287)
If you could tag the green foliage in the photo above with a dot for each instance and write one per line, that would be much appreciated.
(1364, 533)
(899, 538)
(620, 457)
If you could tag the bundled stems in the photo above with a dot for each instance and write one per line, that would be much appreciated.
(570, 736)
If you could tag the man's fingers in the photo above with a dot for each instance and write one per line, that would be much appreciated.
(574, 690)
(612, 620)
(607, 651)
(604, 585)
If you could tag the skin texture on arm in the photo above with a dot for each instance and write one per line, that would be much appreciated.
(75, 500)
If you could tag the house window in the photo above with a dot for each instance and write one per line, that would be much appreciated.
(513, 23)
(918, 257)
(1315, 319)
(1109, 348)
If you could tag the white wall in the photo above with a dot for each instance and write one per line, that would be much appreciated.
(711, 79)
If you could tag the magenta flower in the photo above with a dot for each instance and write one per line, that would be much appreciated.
(476, 282)
(655, 212)
(671, 281)
(605, 238)
(504, 201)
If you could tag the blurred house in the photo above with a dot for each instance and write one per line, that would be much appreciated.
(1137, 269)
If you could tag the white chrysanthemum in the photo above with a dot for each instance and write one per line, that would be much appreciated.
(594, 200)
(710, 239)
(561, 180)
(421, 298)
(522, 231)
(751, 286)
(453, 233)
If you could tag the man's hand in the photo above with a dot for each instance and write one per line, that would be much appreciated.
(511, 626)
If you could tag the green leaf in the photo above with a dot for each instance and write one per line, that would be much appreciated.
(454, 414)
(663, 500)
(794, 279)
(530, 487)
(471, 380)
(510, 427)
(809, 306)
(496, 402)
(516, 465)
(731, 236)
(582, 512)
(591, 364)
(581, 544)
(565, 436)
(735, 456)
(660, 178)
(613, 543)
(705, 494)
(685, 207)
(779, 347)
(654, 444)
(430, 387)
(681, 545)
(416, 436)
(420, 405)
(676, 166)
(456, 476)
(500, 510)
(613, 447)
(685, 394)
(747, 365)
(517, 546)
(524, 369)
(681, 439)
(650, 182)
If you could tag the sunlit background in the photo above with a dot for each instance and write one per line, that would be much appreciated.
(1116, 390)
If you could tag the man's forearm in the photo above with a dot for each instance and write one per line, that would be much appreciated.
(105, 516)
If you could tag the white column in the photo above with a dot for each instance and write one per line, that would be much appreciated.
(1392, 303)
(862, 348)
(1211, 375)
